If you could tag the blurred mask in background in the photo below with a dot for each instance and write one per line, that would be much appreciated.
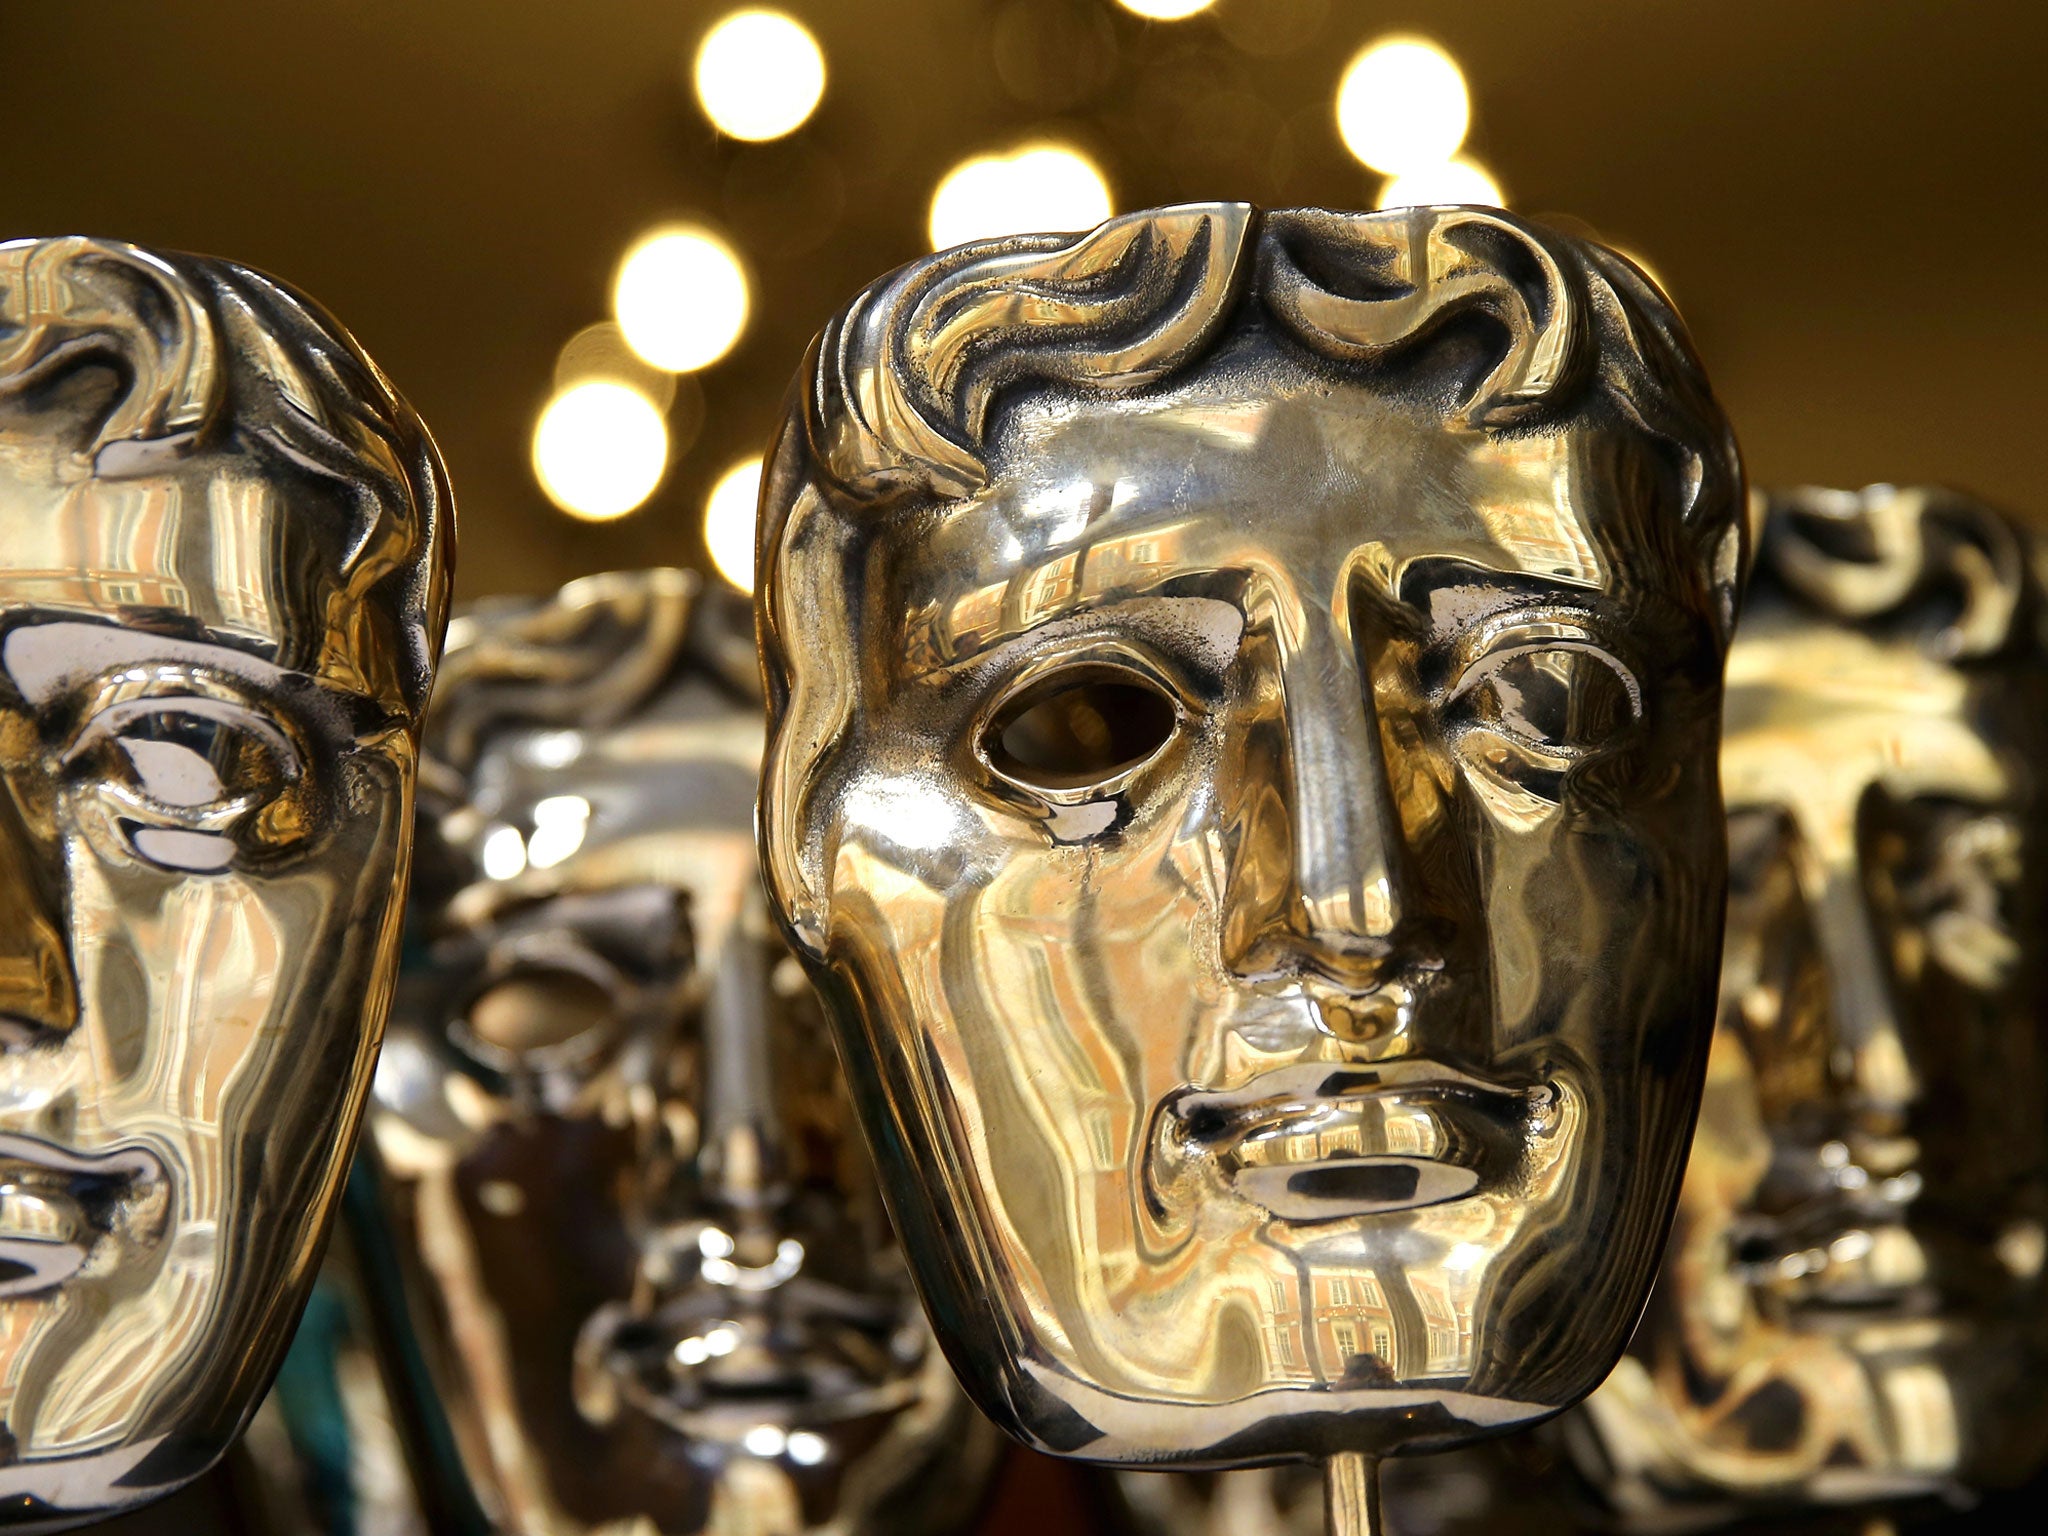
(1852, 1306)
(1499, 1488)
(1244, 694)
(650, 1264)
(223, 574)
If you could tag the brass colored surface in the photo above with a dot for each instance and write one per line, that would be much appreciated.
(1244, 694)
(654, 1275)
(1853, 1304)
(1481, 1490)
(223, 572)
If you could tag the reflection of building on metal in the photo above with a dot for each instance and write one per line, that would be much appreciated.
(1038, 189)
(680, 298)
(599, 449)
(759, 74)
(1402, 106)
(1447, 181)
(729, 523)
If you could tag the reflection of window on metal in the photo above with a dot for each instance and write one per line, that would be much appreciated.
(559, 823)
(504, 854)
(717, 1248)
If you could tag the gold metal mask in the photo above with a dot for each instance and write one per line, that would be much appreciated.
(1243, 695)
(1853, 1304)
(659, 1283)
(222, 587)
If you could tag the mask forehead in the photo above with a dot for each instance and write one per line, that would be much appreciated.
(1309, 485)
(1818, 713)
(665, 798)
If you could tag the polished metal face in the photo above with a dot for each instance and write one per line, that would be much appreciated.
(1244, 695)
(223, 569)
(658, 1281)
(1853, 1305)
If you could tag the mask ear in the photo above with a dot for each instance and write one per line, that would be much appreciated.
(802, 559)
(790, 865)
(1728, 572)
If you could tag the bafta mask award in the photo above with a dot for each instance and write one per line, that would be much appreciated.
(655, 1277)
(222, 587)
(1244, 692)
(1853, 1305)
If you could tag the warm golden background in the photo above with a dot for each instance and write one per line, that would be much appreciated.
(1845, 197)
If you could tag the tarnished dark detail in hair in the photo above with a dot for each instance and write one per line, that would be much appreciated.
(907, 372)
(207, 349)
(1964, 574)
(1357, 289)
(905, 377)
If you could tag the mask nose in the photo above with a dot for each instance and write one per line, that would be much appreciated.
(1882, 1080)
(744, 1164)
(1325, 876)
(38, 993)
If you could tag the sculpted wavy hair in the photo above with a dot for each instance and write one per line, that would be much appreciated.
(899, 395)
(1965, 579)
(213, 356)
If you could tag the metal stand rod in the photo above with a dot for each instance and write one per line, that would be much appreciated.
(1351, 1492)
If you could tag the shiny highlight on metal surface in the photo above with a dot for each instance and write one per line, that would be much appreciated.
(1853, 1306)
(651, 1275)
(1244, 693)
(224, 548)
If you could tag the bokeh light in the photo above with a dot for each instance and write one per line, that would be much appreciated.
(601, 351)
(680, 298)
(1165, 10)
(729, 523)
(759, 74)
(599, 449)
(1402, 106)
(1041, 189)
(1452, 181)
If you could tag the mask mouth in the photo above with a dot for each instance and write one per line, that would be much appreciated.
(1315, 1142)
(58, 1205)
(1839, 1239)
(734, 1330)
(714, 1364)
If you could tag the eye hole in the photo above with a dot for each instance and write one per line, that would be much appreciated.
(538, 1010)
(1079, 728)
(1565, 700)
(190, 779)
(180, 757)
(1956, 869)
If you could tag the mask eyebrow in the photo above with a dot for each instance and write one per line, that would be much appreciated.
(45, 660)
(1449, 596)
(1187, 621)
